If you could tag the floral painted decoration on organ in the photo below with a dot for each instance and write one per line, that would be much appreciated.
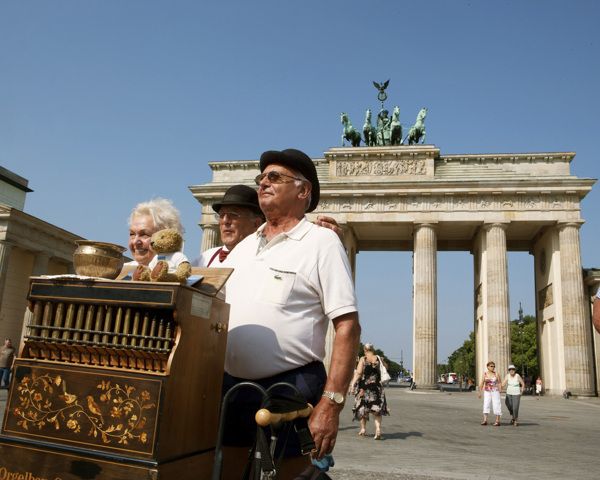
(115, 414)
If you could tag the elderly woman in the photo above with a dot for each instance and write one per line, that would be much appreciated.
(369, 394)
(514, 388)
(147, 218)
(491, 386)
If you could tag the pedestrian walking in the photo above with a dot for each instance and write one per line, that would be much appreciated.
(491, 386)
(7, 355)
(368, 391)
(514, 388)
(538, 387)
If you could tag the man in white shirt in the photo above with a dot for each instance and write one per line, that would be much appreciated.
(290, 279)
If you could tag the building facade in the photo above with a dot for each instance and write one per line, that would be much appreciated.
(413, 198)
(28, 246)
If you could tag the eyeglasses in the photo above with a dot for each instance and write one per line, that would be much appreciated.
(275, 177)
(232, 216)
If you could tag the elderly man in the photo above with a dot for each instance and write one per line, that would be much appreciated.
(290, 280)
(239, 215)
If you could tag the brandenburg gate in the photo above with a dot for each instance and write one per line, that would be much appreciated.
(413, 198)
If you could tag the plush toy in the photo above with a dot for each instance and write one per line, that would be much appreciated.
(169, 264)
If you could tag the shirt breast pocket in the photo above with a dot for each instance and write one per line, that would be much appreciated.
(278, 286)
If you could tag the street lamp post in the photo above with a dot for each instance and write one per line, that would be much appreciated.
(521, 324)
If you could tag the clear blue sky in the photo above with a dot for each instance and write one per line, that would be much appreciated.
(106, 103)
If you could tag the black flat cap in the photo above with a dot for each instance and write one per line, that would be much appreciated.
(299, 161)
(239, 196)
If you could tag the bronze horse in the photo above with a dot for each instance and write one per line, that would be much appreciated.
(396, 128)
(417, 131)
(369, 133)
(349, 133)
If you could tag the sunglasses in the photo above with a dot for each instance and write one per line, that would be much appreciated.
(232, 216)
(275, 177)
(493, 366)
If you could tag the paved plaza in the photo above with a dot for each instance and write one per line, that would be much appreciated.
(437, 435)
(433, 435)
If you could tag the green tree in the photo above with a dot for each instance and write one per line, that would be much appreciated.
(523, 346)
(462, 360)
(523, 341)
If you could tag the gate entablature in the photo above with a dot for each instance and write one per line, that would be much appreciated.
(381, 192)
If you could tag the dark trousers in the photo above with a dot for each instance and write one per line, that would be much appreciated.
(4, 376)
(240, 426)
(512, 403)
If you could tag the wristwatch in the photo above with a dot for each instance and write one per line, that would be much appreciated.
(338, 398)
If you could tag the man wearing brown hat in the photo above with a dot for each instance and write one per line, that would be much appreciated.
(290, 279)
(239, 215)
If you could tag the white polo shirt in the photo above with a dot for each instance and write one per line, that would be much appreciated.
(282, 298)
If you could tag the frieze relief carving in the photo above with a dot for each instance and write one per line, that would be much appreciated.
(445, 203)
(387, 168)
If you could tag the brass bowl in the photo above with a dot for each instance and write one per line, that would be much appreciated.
(98, 259)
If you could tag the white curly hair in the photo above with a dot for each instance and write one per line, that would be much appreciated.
(162, 211)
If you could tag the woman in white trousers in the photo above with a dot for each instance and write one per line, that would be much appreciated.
(491, 386)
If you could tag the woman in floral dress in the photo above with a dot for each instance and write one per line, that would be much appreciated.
(368, 391)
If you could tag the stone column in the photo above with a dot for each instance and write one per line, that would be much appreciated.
(210, 237)
(425, 305)
(351, 249)
(5, 249)
(40, 267)
(40, 264)
(576, 328)
(498, 311)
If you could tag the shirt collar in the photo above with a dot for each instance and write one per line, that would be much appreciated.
(295, 233)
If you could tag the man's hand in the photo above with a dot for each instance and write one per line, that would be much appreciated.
(331, 224)
(323, 424)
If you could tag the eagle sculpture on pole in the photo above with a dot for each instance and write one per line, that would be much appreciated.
(382, 96)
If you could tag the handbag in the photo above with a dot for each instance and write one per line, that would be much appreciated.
(385, 376)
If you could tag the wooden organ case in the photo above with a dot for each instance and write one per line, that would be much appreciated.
(116, 380)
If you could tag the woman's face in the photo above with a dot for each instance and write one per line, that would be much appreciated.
(140, 231)
(491, 367)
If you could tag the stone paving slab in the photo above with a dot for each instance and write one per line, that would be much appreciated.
(437, 436)
(433, 435)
